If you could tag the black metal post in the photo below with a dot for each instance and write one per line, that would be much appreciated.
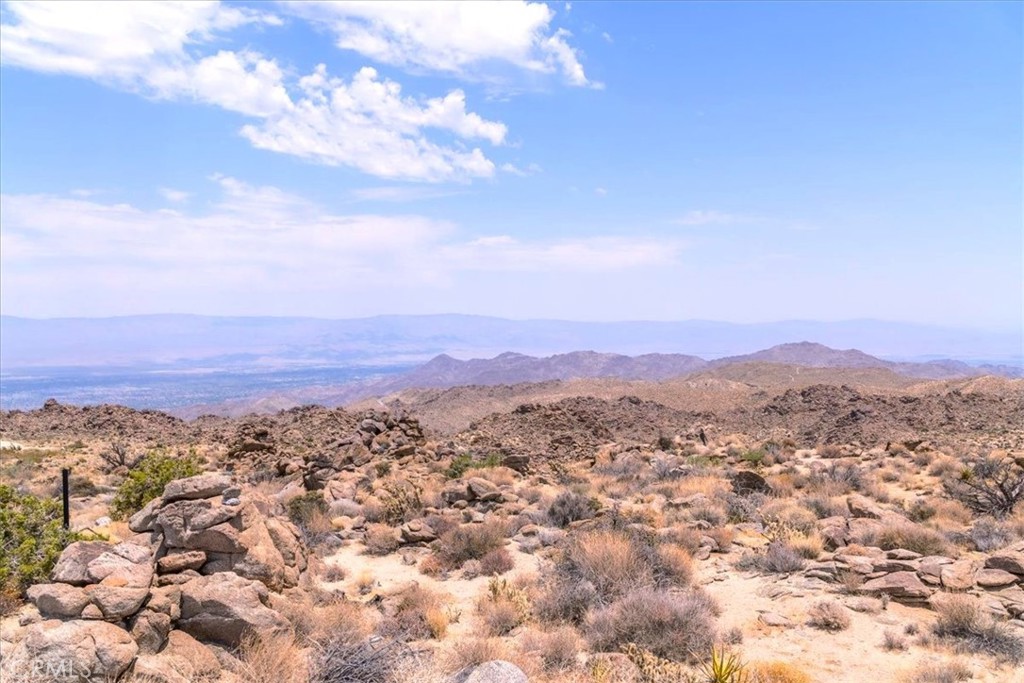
(64, 475)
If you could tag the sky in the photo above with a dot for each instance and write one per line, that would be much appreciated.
(742, 162)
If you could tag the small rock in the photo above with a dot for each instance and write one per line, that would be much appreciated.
(58, 599)
(495, 671)
(774, 619)
(995, 578)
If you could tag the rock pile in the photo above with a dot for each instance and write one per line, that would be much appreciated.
(200, 570)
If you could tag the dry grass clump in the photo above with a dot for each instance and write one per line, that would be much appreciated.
(504, 607)
(674, 626)
(893, 642)
(828, 616)
(319, 620)
(496, 562)
(807, 546)
(909, 536)
(419, 614)
(776, 672)
(779, 558)
(471, 652)
(964, 624)
(556, 649)
(271, 658)
(950, 671)
(469, 542)
(380, 539)
(988, 534)
(339, 661)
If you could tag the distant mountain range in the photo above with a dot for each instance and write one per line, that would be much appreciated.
(181, 342)
(514, 368)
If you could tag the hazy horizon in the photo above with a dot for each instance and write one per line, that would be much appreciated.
(746, 162)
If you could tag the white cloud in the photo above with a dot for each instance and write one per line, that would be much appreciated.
(701, 217)
(472, 40)
(399, 193)
(531, 169)
(259, 248)
(601, 191)
(172, 195)
(367, 124)
(153, 49)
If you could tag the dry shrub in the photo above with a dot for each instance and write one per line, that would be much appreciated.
(365, 581)
(893, 642)
(722, 536)
(380, 539)
(830, 451)
(417, 615)
(431, 566)
(776, 672)
(950, 671)
(710, 485)
(271, 658)
(964, 623)
(675, 565)
(610, 560)
(850, 581)
(906, 535)
(498, 561)
(363, 662)
(556, 649)
(826, 506)
(828, 616)
(809, 546)
(333, 572)
(499, 618)
(670, 625)
(501, 476)
(316, 621)
(564, 599)
(683, 536)
(470, 652)
(780, 559)
(791, 515)
(469, 542)
(569, 507)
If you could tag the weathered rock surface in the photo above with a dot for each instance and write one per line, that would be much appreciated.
(222, 607)
(97, 648)
(899, 586)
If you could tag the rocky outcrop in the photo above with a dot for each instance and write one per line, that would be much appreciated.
(201, 569)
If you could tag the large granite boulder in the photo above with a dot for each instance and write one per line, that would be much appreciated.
(223, 607)
(77, 649)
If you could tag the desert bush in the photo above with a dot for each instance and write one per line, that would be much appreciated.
(380, 539)
(118, 456)
(569, 507)
(826, 506)
(302, 508)
(461, 464)
(850, 581)
(504, 607)
(893, 642)
(32, 538)
(921, 510)
(673, 626)
(469, 542)
(989, 487)
(610, 560)
(470, 652)
(807, 546)
(950, 671)
(779, 558)
(739, 509)
(147, 481)
(828, 616)
(419, 614)
(271, 658)
(776, 672)
(556, 649)
(498, 561)
(563, 599)
(319, 617)
(963, 622)
(401, 502)
(987, 534)
(786, 513)
(341, 661)
(711, 514)
(906, 535)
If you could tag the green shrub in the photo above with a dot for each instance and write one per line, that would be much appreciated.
(463, 463)
(302, 509)
(32, 537)
(147, 481)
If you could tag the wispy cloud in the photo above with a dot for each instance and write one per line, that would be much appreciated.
(172, 195)
(471, 40)
(702, 217)
(61, 254)
(400, 193)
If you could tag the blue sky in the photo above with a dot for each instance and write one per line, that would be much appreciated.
(590, 161)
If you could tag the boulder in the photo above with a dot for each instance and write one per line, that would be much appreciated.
(150, 629)
(958, 576)
(58, 600)
(1009, 561)
(417, 531)
(865, 508)
(495, 671)
(73, 565)
(223, 607)
(482, 490)
(143, 520)
(183, 660)
(100, 650)
(201, 486)
(117, 603)
(992, 578)
(899, 586)
(178, 560)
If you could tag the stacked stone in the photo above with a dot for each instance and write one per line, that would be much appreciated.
(200, 570)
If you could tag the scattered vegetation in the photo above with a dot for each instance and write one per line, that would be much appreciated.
(989, 487)
(148, 479)
(829, 616)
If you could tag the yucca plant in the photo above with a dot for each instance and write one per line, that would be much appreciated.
(724, 667)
